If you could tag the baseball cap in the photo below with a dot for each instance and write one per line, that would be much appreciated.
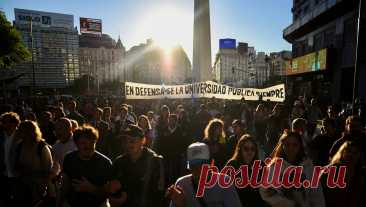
(197, 154)
(133, 131)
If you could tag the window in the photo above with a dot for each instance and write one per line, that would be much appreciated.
(329, 37)
(318, 41)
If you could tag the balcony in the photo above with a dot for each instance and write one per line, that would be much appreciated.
(318, 16)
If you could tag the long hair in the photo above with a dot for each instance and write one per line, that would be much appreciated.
(147, 121)
(29, 130)
(338, 157)
(210, 130)
(279, 152)
(239, 146)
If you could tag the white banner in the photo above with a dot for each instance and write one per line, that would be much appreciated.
(206, 89)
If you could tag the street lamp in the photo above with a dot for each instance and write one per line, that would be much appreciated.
(355, 74)
(32, 48)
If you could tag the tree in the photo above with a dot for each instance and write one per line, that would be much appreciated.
(12, 50)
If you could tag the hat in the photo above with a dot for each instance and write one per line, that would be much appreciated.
(197, 154)
(133, 131)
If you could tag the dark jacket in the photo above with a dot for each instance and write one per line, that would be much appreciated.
(249, 196)
(140, 179)
(76, 116)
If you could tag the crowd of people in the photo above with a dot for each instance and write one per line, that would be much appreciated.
(149, 153)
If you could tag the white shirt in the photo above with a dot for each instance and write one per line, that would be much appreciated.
(61, 149)
(213, 197)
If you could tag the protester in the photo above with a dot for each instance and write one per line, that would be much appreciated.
(85, 172)
(47, 127)
(246, 151)
(202, 117)
(183, 193)
(58, 113)
(9, 122)
(322, 143)
(298, 111)
(139, 172)
(144, 124)
(300, 126)
(260, 125)
(33, 163)
(290, 148)
(104, 141)
(354, 131)
(313, 114)
(65, 142)
(239, 130)
(74, 114)
(276, 123)
(215, 139)
(349, 155)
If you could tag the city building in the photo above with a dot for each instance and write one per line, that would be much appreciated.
(262, 69)
(101, 58)
(240, 66)
(323, 36)
(53, 41)
(278, 62)
(202, 41)
(148, 63)
(231, 63)
(252, 79)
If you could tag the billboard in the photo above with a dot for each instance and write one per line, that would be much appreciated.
(311, 62)
(227, 43)
(91, 26)
(43, 19)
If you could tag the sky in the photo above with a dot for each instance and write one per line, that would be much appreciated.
(169, 22)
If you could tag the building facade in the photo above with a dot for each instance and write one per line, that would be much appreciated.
(148, 63)
(262, 69)
(231, 66)
(278, 63)
(324, 33)
(55, 49)
(241, 66)
(101, 58)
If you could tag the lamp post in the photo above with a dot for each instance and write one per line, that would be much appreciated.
(355, 74)
(32, 49)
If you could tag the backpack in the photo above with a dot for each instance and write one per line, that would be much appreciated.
(40, 146)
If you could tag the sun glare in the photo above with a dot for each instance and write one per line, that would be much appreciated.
(168, 27)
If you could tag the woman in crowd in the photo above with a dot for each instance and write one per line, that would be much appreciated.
(348, 155)
(291, 150)
(246, 152)
(145, 125)
(260, 124)
(162, 127)
(33, 163)
(215, 139)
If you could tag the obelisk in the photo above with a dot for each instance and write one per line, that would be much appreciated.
(201, 41)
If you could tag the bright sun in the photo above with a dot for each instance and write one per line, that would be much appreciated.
(168, 26)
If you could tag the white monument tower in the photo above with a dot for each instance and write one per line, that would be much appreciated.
(201, 41)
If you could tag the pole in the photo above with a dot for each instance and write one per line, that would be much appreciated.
(355, 74)
(32, 49)
(88, 75)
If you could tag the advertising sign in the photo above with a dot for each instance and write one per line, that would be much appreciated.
(44, 19)
(227, 43)
(311, 62)
(91, 26)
